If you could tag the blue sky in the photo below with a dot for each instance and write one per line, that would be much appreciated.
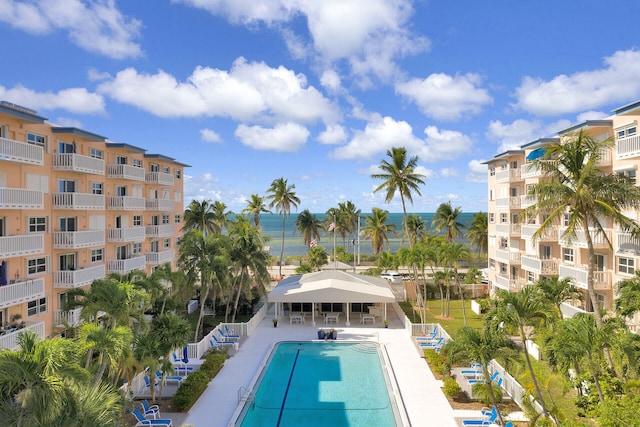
(247, 91)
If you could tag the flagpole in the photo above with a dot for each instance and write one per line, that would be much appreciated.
(335, 261)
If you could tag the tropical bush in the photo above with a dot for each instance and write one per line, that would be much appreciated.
(194, 385)
(451, 387)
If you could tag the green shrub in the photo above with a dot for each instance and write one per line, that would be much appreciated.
(451, 387)
(194, 385)
(438, 363)
(480, 391)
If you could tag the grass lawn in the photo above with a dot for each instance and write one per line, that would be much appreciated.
(452, 323)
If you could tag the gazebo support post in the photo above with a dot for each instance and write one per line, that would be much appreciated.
(347, 323)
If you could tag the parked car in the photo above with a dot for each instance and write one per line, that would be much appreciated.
(392, 277)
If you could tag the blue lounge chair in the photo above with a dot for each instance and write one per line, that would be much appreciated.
(226, 337)
(481, 380)
(218, 342)
(180, 367)
(485, 422)
(430, 337)
(433, 345)
(147, 382)
(142, 421)
(150, 410)
(228, 331)
(175, 379)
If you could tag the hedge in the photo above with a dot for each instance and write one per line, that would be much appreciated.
(194, 385)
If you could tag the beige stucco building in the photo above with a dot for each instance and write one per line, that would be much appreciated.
(516, 259)
(73, 208)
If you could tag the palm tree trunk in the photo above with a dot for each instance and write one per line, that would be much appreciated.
(282, 246)
(464, 313)
(523, 337)
(487, 380)
(101, 369)
(239, 291)
(406, 225)
(203, 297)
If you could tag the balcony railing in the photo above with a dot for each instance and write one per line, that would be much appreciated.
(68, 318)
(530, 170)
(21, 198)
(502, 281)
(78, 163)
(508, 202)
(628, 243)
(78, 201)
(77, 239)
(25, 244)
(569, 310)
(507, 257)
(128, 234)
(528, 200)
(160, 257)
(508, 229)
(508, 175)
(160, 205)
(126, 172)
(9, 341)
(601, 279)
(126, 203)
(159, 230)
(628, 147)
(159, 178)
(123, 266)
(580, 241)
(539, 266)
(550, 234)
(21, 152)
(20, 292)
(70, 279)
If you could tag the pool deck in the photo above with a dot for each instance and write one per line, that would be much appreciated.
(424, 401)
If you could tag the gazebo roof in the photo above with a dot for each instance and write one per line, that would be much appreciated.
(332, 286)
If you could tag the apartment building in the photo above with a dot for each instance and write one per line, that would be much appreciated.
(73, 208)
(516, 259)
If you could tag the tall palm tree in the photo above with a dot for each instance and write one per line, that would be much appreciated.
(282, 198)
(309, 226)
(478, 233)
(574, 186)
(557, 291)
(454, 253)
(256, 207)
(628, 300)
(447, 218)
(377, 228)
(521, 311)
(416, 229)
(399, 176)
(199, 215)
(108, 343)
(349, 214)
(170, 332)
(220, 215)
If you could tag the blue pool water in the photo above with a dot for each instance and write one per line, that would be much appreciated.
(322, 384)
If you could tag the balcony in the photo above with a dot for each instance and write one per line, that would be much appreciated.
(77, 239)
(126, 172)
(569, 310)
(528, 200)
(25, 244)
(70, 318)
(128, 234)
(78, 201)
(21, 152)
(628, 244)
(508, 229)
(124, 266)
(20, 198)
(9, 341)
(512, 285)
(159, 178)
(159, 230)
(160, 257)
(126, 203)
(507, 257)
(600, 241)
(20, 292)
(165, 205)
(508, 203)
(69, 279)
(78, 163)
(628, 147)
(508, 175)
(530, 170)
(534, 264)
(601, 279)
(549, 235)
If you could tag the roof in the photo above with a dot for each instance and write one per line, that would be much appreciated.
(21, 112)
(79, 132)
(332, 286)
(126, 147)
(337, 265)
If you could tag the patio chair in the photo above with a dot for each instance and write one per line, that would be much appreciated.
(180, 366)
(481, 380)
(485, 422)
(229, 331)
(433, 345)
(147, 382)
(431, 336)
(170, 379)
(150, 410)
(227, 337)
(218, 343)
(142, 421)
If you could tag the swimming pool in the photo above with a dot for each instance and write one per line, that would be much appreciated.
(314, 383)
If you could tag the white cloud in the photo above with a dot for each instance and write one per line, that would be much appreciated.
(68, 122)
(334, 134)
(444, 97)
(201, 187)
(96, 26)
(95, 75)
(75, 100)
(244, 11)
(591, 115)
(259, 92)
(477, 171)
(427, 173)
(330, 80)
(287, 137)
(444, 145)
(209, 135)
(616, 82)
(448, 172)
(512, 136)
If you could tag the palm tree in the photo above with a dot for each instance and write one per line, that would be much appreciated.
(557, 291)
(282, 198)
(478, 233)
(628, 300)
(575, 187)
(109, 344)
(416, 229)
(199, 215)
(454, 253)
(309, 227)
(521, 311)
(447, 218)
(170, 332)
(472, 345)
(399, 177)
(377, 229)
(348, 213)
(256, 207)
(220, 215)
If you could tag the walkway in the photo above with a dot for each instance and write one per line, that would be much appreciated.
(424, 401)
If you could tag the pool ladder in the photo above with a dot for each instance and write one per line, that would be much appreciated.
(245, 395)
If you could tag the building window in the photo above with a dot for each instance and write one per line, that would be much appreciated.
(137, 220)
(492, 217)
(566, 220)
(121, 160)
(136, 248)
(66, 186)
(178, 173)
(492, 171)
(96, 188)
(165, 169)
(165, 219)
(176, 219)
(37, 307)
(531, 277)
(36, 265)
(504, 218)
(154, 168)
(492, 263)
(626, 132)
(121, 252)
(97, 255)
(626, 265)
(32, 138)
(177, 196)
(514, 164)
(629, 173)
(137, 163)
(95, 153)
(38, 224)
(121, 190)
(567, 255)
(154, 246)
(167, 243)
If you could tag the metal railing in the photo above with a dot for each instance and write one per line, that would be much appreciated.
(21, 152)
(24, 244)
(126, 172)
(21, 198)
(21, 292)
(127, 234)
(9, 341)
(78, 239)
(159, 178)
(125, 203)
(78, 163)
(83, 201)
(76, 278)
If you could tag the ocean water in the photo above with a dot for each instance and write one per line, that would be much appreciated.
(271, 225)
